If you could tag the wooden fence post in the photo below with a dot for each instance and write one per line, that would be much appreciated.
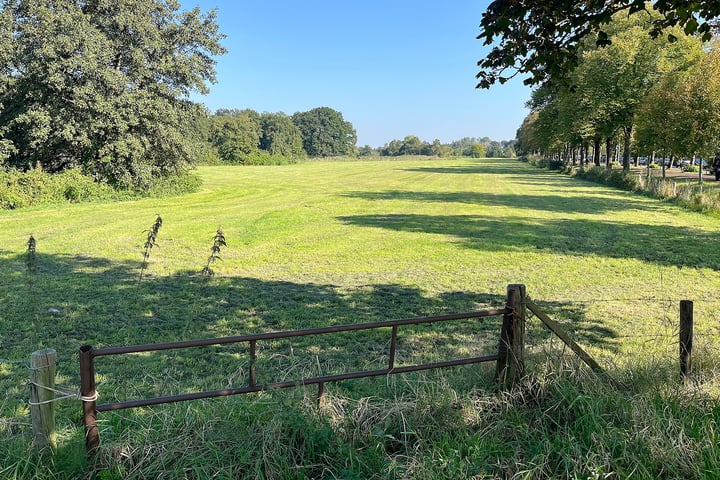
(42, 396)
(88, 396)
(686, 337)
(511, 360)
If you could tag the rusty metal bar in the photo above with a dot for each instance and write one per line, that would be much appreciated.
(393, 345)
(291, 383)
(152, 347)
(88, 396)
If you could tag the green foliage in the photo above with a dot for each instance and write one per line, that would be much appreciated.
(612, 177)
(218, 243)
(104, 86)
(36, 187)
(545, 39)
(172, 185)
(478, 150)
(325, 133)
(280, 136)
(236, 135)
(543, 162)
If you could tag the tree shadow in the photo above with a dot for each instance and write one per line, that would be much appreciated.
(589, 204)
(659, 244)
(75, 301)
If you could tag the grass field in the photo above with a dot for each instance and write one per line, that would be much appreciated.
(323, 243)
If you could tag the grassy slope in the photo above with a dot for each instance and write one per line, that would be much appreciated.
(321, 243)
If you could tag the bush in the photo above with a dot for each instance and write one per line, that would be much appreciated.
(614, 178)
(541, 162)
(35, 187)
(174, 185)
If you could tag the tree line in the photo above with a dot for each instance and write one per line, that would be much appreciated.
(638, 95)
(246, 137)
(465, 147)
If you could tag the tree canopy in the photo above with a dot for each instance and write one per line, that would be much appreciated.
(542, 39)
(325, 133)
(103, 85)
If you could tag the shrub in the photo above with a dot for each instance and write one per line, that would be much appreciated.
(36, 187)
(173, 185)
(614, 178)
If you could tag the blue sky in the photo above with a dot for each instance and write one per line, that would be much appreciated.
(392, 67)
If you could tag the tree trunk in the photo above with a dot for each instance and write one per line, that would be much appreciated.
(596, 151)
(608, 152)
(628, 131)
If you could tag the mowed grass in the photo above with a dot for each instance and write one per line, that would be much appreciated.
(325, 243)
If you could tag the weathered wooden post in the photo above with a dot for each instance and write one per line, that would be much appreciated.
(42, 396)
(686, 337)
(88, 396)
(511, 359)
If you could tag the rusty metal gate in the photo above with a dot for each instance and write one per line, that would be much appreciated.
(509, 359)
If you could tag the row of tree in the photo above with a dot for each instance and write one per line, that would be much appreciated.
(655, 95)
(245, 136)
(465, 147)
(240, 136)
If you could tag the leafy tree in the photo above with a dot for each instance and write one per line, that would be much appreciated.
(236, 136)
(698, 108)
(366, 151)
(411, 145)
(477, 150)
(280, 136)
(437, 149)
(103, 85)
(609, 87)
(543, 39)
(659, 117)
(391, 149)
(325, 133)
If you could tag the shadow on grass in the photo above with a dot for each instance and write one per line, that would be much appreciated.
(99, 302)
(552, 203)
(75, 301)
(660, 244)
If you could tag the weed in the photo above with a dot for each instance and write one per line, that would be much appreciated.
(150, 242)
(218, 242)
